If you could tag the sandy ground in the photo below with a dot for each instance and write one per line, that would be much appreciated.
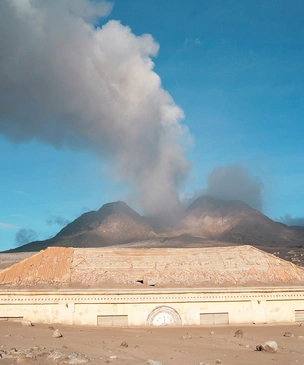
(170, 346)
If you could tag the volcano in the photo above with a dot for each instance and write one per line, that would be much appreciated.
(207, 221)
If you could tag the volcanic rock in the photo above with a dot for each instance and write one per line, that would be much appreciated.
(238, 333)
(268, 346)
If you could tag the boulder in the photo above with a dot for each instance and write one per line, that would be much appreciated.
(268, 346)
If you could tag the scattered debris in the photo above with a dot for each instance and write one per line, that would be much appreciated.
(42, 355)
(124, 344)
(186, 337)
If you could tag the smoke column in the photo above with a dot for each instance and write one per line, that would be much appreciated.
(69, 84)
(234, 182)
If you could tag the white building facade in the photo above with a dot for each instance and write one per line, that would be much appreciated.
(153, 287)
(185, 307)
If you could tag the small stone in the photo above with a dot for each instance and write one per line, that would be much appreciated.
(124, 344)
(76, 361)
(73, 355)
(154, 362)
(43, 354)
(30, 356)
(56, 354)
(238, 333)
(184, 337)
(25, 358)
(211, 333)
(113, 357)
(56, 334)
(288, 334)
(27, 323)
(203, 363)
(38, 348)
(218, 361)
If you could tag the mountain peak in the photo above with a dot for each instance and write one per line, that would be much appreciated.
(207, 218)
(117, 207)
(210, 205)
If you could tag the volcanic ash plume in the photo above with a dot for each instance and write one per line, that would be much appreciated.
(234, 182)
(71, 84)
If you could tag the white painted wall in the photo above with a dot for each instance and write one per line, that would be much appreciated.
(83, 308)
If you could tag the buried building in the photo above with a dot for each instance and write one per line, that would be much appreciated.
(143, 287)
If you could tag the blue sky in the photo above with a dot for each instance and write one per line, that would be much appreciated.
(234, 68)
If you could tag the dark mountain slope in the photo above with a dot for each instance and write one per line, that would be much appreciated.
(236, 222)
(113, 223)
(207, 219)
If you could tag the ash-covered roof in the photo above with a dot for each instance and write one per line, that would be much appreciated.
(163, 267)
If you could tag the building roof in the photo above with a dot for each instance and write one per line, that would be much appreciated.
(164, 267)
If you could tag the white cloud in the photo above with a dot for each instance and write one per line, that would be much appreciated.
(188, 42)
(7, 226)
